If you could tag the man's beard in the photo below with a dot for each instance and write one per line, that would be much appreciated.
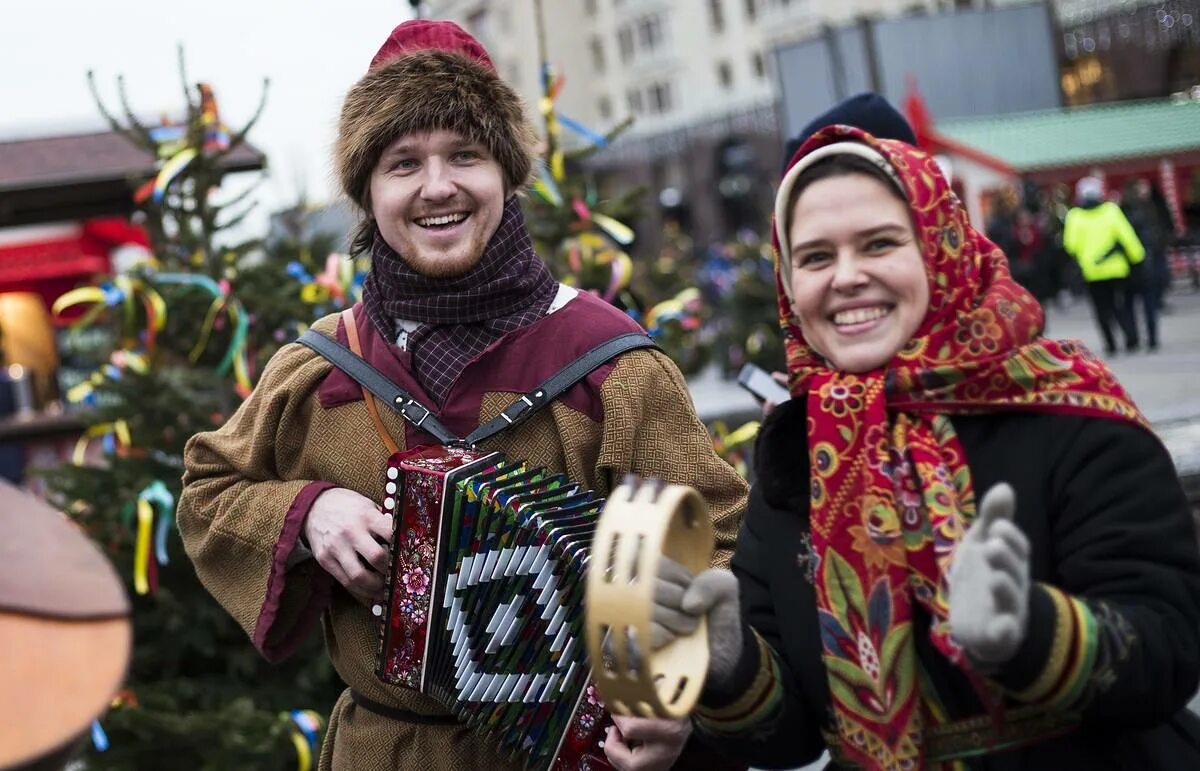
(443, 265)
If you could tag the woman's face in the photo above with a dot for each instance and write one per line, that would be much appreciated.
(859, 289)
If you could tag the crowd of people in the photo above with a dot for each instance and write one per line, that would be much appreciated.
(1112, 249)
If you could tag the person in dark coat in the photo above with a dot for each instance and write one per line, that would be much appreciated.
(966, 549)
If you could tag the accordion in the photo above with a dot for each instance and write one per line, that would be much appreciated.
(484, 608)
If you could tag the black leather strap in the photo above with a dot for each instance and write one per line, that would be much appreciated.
(514, 414)
(558, 383)
(377, 383)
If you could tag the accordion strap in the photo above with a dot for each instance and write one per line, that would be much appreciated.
(558, 383)
(376, 383)
(368, 398)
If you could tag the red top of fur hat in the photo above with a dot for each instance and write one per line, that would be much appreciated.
(426, 35)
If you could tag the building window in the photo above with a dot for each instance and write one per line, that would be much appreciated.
(604, 107)
(659, 95)
(758, 65)
(634, 97)
(716, 15)
(650, 32)
(724, 74)
(597, 47)
(589, 7)
(625, 42)
(751, 10)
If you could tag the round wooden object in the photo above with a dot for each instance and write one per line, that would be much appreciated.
(639, 523)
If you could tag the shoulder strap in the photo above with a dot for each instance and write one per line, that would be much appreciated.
(516, 413)
(558, 383)
(377, 383)
(368, 399)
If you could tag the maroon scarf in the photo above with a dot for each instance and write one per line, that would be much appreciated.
(509, 288)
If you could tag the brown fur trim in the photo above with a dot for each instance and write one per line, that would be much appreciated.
(430, 90)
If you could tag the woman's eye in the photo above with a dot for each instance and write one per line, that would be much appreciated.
(880, 245)
(812, 259)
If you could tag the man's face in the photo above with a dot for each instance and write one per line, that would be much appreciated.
(437, 198)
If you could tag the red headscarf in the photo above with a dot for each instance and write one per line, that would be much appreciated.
(891, 492)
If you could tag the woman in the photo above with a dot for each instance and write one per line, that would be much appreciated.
(884, 607)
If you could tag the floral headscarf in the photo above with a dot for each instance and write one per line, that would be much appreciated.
(891, 491)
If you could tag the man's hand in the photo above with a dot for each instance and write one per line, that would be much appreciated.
(681, 599)
(348, 537)
(645, 744)
(989, 582)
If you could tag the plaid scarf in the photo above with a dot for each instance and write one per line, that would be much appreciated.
(509, 288)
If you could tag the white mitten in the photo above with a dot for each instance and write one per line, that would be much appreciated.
(681, 600)
(989, 582)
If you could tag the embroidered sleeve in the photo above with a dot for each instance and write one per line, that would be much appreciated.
(1081, 647)
(1063, 633)
(758, 706)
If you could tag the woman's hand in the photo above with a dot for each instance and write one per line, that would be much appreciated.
(645, 744)
(348, 536)
(681, 600)
(989, 582)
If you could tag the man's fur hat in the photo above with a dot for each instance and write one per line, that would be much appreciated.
(430, 75)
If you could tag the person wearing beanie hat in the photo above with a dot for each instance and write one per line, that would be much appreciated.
(280, 509)
(867, 111)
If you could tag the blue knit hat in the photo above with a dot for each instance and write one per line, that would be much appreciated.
(867, 111)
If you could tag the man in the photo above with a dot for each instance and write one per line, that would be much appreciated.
(460, 312)
(1102, 241)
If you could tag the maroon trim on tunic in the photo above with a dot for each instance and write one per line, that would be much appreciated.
(516, 363)
(318, 590)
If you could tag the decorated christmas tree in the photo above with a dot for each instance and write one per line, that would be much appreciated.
(190, 324)
(738, 280)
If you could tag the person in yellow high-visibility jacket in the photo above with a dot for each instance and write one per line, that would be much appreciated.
(1100, 238)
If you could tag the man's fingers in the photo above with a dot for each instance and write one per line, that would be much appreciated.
(617, 751)
(373, 553)
(650, 729)
(999, 503)
(709, 588)
(380, 526)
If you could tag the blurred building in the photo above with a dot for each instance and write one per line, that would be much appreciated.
(697, 77)
(1118, 49)
(1154, 139)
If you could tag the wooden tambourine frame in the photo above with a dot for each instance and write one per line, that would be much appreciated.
(640, 522)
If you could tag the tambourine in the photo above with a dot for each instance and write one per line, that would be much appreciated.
(642, 521)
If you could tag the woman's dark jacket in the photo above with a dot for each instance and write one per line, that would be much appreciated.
(1108, 523)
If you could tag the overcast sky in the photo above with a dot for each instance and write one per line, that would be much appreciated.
(311, 51)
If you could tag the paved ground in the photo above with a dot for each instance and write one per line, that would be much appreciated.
(1165, 384)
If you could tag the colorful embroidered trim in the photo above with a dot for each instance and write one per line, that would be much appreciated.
(757, 706)
(1072, 655)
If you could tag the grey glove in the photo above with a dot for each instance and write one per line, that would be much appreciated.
(681, 600)
(989, 582)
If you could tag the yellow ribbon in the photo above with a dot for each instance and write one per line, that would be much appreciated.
(120, 428)
(141, 550)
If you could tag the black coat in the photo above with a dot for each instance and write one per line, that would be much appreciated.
(1108, 523)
